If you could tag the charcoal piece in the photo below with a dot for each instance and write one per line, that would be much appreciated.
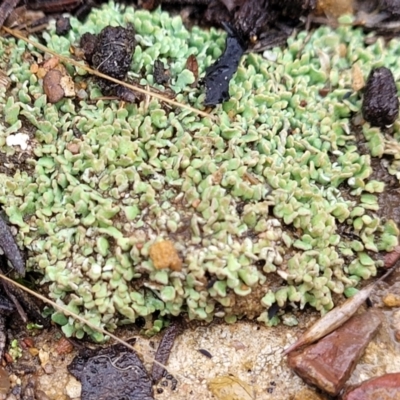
(111, 53)
(111, 373)
(273, 310)
(220, 73)
(63, 26)
(164, 349)
(10, 248)
(380, 105)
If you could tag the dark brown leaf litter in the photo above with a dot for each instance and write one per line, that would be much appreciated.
(111, 373)
(6, 8)
(380, 105)
(110, 52)
(164, 349)
(10, 247)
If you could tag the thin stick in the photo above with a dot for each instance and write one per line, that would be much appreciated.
(337, 317)
(90, 324)
(139, 89)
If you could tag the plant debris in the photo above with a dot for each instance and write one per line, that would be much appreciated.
(337, 317)
(110, 52)
(10, 248)
(111, 373)
(164, 350)
(161, 75)
(380, 105)
(220, 73)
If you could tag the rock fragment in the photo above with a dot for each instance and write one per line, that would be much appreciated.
(329, 363)
(391, 300)
(386, 387)
(380, 105)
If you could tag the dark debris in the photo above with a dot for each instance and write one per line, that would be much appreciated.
(380, 105)
(10, 248)
(110, 52)
(220, 73)
(111, 373)
(164, 349)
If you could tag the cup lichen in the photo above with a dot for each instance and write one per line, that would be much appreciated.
(253, 204)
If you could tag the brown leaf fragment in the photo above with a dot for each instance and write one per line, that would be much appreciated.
(10, 248)
(164, 350)
(193, 66)
(391, 258)
(386, 387)
(6, 8)
(229, 387)
(64, 346)
(335, 8)
(329, 363)
(5, 81)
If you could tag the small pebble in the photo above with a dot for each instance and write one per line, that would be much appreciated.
(48, 368)
(4, 381)
(43, 357)
(52, 86)
(73, 388)
(391, 300)
(40, 395)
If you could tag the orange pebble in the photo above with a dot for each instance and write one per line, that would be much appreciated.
(164, 255)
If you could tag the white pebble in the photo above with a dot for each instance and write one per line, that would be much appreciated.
(19, 139)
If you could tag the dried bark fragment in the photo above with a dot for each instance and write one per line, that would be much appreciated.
(6, 8)
(386, 387)
(10, 248)
(164, 350)
(380, 105)
(220, 73)
(193, 66)
(329, 363)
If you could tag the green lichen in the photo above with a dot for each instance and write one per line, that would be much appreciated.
(258, 194)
